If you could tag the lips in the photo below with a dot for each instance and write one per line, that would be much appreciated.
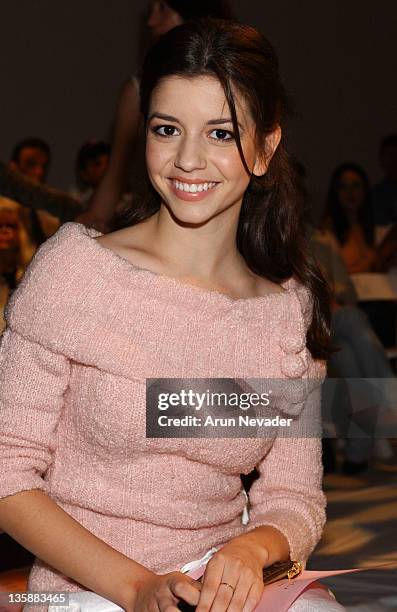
(192, 189)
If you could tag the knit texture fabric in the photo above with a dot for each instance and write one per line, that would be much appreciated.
(85, 328)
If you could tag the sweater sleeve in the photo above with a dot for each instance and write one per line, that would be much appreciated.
(288, 493)
(33, 380)
(33, 374)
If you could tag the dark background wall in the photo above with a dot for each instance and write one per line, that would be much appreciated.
(62, 64)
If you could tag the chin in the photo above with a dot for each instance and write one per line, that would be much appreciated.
(191, 218)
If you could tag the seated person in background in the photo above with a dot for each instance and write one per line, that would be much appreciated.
(91, 164)
(16, 249)
(31, 157)
(37, 196)
(361, 353)
(348, 215)
(384, 194)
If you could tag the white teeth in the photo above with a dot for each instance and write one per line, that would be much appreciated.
(194, 187)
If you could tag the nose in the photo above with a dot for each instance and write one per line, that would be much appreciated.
(190, 156)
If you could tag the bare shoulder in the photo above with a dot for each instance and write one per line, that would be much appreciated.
(120, 240)
(129, 243)
(112, 240)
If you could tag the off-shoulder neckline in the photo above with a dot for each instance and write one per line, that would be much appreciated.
(90, 233)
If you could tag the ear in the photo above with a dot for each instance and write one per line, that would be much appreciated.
(12, 165)
(262, 162)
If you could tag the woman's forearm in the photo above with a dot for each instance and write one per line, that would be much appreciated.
(272, 544)
(34, 520)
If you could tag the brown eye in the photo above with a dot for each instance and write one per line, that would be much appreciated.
(222, 135)
(165, 130)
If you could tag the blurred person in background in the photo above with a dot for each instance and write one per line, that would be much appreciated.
(349, 216)
(37, 196)
(91, 164)
(360, 355)
(16, 249)
(31, 157)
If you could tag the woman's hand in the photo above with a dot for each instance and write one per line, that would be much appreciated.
(161, 593)
(233, 578)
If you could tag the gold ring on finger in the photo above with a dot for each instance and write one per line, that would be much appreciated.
(229, 585)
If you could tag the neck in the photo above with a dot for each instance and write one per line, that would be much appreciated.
(206, 251)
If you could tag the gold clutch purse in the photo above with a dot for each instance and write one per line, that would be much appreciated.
(280, 570)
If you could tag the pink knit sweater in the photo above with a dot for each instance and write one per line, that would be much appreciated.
(84, 329)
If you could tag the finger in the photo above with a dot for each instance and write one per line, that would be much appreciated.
(187, 589)
(210, 583)
(240, 594)
(232, 572)
(223, 596)
(253, 597)
(166, 601)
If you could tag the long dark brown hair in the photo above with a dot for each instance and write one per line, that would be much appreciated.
(270, 233)
(335, 213)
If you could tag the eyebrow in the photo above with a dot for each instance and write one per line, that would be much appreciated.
(219, 121)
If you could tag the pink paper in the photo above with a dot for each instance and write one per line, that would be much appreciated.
(280, 596)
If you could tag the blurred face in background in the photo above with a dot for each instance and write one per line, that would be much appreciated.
(8, 230)
(33, 163)
(162, 18)
(94, 170)
(351, 191)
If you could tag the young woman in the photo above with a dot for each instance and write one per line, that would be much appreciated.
(210, 279)
(349, 216)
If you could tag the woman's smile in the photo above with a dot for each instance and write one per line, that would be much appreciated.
(192, 190)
